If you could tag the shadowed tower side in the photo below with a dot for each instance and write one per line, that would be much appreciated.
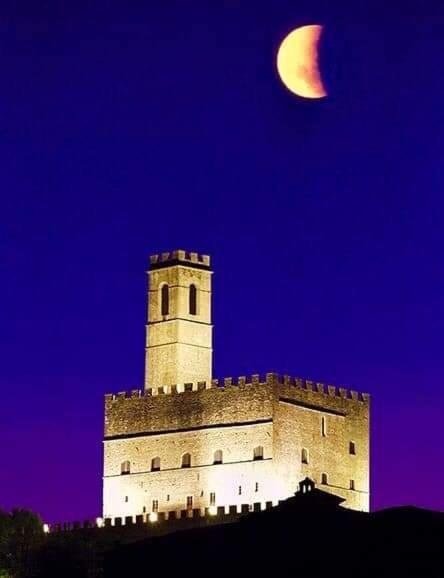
(179, 328)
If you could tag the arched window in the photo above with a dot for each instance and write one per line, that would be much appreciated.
(304, 456)
(165, 300)
(218, 457)
(193, 300)
(186, 460)
(258, 453)
(155, 464)
(125, 467)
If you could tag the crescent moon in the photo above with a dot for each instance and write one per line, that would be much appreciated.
(297, 62)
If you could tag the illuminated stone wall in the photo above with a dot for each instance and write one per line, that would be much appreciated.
(182, 410)
(325, 425)
(281, 417)
(179, 344)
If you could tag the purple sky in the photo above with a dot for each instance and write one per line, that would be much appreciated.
(129, 131)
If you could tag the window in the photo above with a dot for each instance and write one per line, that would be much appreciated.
(352, 448)
(144, 510)
(126, 498)
(186, 460)
(256, 487)
(258, 453)
(304, 456)
(323, 426)
(324, 479)
(212, 498)
(218, 457)
(352, 485)
(155, 464)
(155, 506)
(125, 468)
(239, 490)
(189, 502)
(165, 300)
(168, 497)
(193, 300)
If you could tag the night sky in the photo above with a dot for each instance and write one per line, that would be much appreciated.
(131, 128)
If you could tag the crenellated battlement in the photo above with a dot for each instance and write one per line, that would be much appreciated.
(179, 257)
(168, 521)
(270, 379)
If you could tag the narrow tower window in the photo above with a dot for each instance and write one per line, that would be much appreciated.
(186, 460)
(258, 453)
(352, 448)
(324, 479)
(189, 502)
(125, 467)
(155, 464)
(218, 457)
(323, 426)
(304, 456)
(165, 300)
(212, 498)
(155, 506)
(193, 300)
(352, 485)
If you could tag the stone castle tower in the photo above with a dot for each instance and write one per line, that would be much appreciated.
(190, 441)
(179, 330)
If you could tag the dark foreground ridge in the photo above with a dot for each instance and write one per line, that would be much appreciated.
(308, 535)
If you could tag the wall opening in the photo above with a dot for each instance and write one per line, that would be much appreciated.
(155, 508)
(186, 460)
(323, 426)
(304, 456)
(258, 453)
(324, 479)
(212, 498)
(165, 300)
(155, 464)
(189, 502)
(125, 468)
(352, 448)
(218, 457)
(192, 306)
(352, 485)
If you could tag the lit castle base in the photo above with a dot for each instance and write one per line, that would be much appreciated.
(191, 443)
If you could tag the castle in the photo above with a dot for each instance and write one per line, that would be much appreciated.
(189, 441)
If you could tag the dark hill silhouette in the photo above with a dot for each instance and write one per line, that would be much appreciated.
(309, 535)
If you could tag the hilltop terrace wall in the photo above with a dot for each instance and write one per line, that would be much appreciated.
(226, 401)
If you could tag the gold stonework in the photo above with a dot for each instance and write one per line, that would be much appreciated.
(190, 442)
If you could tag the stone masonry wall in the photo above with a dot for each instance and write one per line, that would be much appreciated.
(281, 415)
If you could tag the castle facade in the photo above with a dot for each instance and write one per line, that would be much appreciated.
(189, 441)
